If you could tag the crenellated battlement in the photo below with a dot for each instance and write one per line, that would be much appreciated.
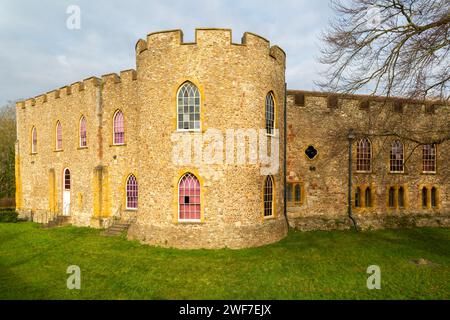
(207, 37)
(298, 98)
(204, 37)
(77, 87)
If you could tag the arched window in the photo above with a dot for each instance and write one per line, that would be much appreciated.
(363, 155)
(429, 158)
(188, 107)
(289, 192)
(391, 197)
(396, 157)
(268, 197)
(270, 114)
(368, 196)
(33, 140)
(118, 128)
(58, 136)
(298, 194)
(132, 192)
(83, 133)
(67, 179)
(401, 197)
(424, 197)
(358, 197)
(189, 198)
(433, 197)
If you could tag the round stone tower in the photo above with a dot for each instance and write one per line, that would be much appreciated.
(206, 178)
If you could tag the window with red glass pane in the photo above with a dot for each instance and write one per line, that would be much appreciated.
(396, 158)
(268, 197)
(83, 134)
(58, 136)
(119, 132)
(33, 140)
(189, 198)
(363, 155)
(66, 179)
(429, 158)
(132, 192)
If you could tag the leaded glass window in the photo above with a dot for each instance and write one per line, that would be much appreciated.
(132, 192)
(429, 158)
(270, 114)
(188, 108)
(189, 198)
(58, 136)
(83, 134)
(268, 197)
(396, 156)
(118, 128)
(363, 155)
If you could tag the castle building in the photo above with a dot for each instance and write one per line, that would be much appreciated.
(202, 146)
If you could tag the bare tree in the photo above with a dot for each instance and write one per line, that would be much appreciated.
(391, 47)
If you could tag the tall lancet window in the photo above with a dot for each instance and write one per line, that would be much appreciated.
(188, 108)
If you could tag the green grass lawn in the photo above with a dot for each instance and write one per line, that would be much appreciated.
(305, 265)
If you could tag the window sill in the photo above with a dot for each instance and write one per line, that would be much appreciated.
(131, 209)
(294, 205)
(33, 153)
(118, 145)
(189, 130)
(432, 209)
(81, 148)
(269, 217)
(190, 221)
(429, 172)
(60, 150)
(396, 172)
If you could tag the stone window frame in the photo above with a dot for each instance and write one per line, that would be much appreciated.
(114, 143)
(190, 174)
(397, 165)
(131, 191)
(293, 202)
(33, 138)
(271, 102)
(428, 158)
(362, 196)
(362, 158)
(197, 95)
(67, 186)
(80, 140)
(429, 197)
(58, 136)
(396, 197)
(268, 192)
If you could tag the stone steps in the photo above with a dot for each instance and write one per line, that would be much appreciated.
(58, 221)
(117, 229)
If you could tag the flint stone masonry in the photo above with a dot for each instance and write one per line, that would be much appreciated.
(233, 80)
(311, 120)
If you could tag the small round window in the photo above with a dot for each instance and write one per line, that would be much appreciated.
(311, 152)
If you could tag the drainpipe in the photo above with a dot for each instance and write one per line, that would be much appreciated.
(284, 154)
(350, 137)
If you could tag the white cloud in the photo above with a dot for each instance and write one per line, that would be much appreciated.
(38, 53)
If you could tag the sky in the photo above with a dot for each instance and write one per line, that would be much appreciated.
(39, 53)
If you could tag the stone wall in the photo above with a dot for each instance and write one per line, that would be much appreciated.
(314, 120)
(233, 79)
